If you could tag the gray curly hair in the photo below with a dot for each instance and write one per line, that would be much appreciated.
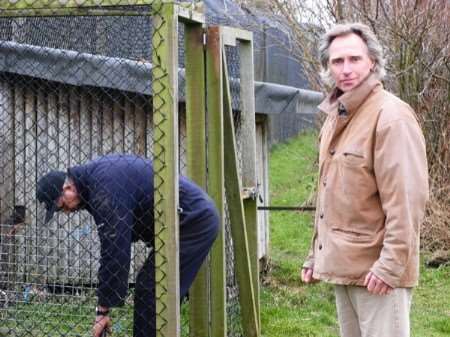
(365, 33)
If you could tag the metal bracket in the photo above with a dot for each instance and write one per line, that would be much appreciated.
(249, 193)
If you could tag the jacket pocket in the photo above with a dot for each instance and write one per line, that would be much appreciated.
(351, 235)
(353, 158)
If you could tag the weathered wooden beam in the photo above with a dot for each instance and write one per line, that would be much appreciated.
(51, 4)
(231, 34)
(165, 160)
(196, 162)
(70, 11)
(242, 254)
(190, 14)
(216, 186)
(248, 134)
(186, 12)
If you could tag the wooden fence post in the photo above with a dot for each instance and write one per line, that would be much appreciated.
(165, 161)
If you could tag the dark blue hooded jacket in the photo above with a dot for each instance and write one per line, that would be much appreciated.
(117, 190)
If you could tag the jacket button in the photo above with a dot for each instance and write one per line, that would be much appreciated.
(320, 246)
(332, 152)
(321, 215)
(324, 183)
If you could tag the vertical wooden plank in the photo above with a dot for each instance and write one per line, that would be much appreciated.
(96, 122)
(165, 151)
(129, 126)
(30, 187)
(140, 127)
(263, 186)
(149, 129)
(138, 249)
(244, 274)
(196, 162)
(215, 155)
(64, 162)
(7, 254)
(107, 125)
(95, 109)
(41, 157)
(86, 227)
(53, 164)
(74, 248)
(19, 171)
(118, 125)
(7, 151)
(247, 88)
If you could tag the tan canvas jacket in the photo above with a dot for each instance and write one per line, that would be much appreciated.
(373, 186)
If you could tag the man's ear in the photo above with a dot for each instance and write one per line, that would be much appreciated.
(69, 185)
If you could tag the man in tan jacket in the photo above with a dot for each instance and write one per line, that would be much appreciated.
(373, 186)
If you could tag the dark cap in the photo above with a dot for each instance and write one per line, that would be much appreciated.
(49, 189)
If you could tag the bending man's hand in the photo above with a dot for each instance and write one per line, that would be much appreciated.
(101, 323)
(307, 276)
(376, 286)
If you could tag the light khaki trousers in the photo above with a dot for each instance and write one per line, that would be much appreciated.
(362, 314)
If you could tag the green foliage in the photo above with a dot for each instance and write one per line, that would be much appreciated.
(291, 309)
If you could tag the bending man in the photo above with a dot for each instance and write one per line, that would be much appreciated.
(117, 190)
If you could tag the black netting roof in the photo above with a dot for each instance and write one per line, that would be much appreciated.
(98, 50)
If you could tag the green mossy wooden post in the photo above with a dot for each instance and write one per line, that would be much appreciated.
(237, 218)
(165, 161)
(196, 162)
(216, 177)
(249, 160)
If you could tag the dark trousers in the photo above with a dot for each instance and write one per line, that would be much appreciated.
(193, 250)
(144, 300)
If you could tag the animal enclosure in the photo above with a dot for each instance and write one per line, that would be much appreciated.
(80, 81)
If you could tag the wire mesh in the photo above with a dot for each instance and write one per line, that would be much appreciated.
(73, 88)
(233, 305)
(57, 110)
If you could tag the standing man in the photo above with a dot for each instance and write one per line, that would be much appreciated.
(373, 186)
(117, 190)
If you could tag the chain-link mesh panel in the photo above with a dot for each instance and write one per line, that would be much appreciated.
(73, 89)
(233, 304)
(233, 64)
(63, 101)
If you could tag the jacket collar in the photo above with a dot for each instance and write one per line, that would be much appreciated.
(350, 100)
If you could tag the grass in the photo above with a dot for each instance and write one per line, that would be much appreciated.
(291, 309)
(288, 308)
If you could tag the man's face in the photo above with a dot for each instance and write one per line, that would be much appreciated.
(349, 62)
(69, 200)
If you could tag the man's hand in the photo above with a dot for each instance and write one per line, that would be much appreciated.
(102, 323)
(307, 276)
(376, 286)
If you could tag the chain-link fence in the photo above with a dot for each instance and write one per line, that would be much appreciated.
(72, 89)
(65, 101)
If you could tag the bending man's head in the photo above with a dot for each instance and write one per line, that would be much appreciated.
(348, 54)
(58, 193)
